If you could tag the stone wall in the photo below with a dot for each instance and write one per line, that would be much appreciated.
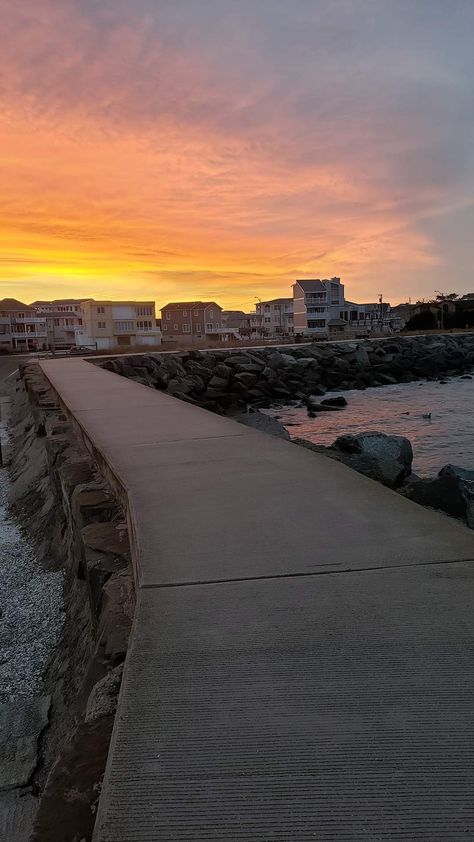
(221, 380)
(78, 526)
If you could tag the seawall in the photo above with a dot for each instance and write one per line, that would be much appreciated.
(300, 657)
(53, 761)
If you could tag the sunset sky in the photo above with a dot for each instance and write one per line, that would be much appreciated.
(174, 149)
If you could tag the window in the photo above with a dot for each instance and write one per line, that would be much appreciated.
(314, 323)
(276, 307)
(316, 309)
(57, 323)
(211, 314)
(165, 327)
(186, 329)
(144, 325)
(124, 326)
(209, 326)
(198, 327)
(168, 315)
(196, 312)
(101, 310)
(101, 325)
(144, 311)
(267, 319)
(176, 327)
(316, 296)
(185, 314)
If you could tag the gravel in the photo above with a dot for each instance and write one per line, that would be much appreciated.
(31, 607)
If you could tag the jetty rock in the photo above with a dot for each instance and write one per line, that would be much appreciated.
(452, 491)
(387, 459)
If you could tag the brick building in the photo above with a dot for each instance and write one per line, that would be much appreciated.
(191, 321)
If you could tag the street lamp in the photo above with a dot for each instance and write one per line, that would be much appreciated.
(441, 297)
(260, 314)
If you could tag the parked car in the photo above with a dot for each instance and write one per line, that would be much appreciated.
(81, 350)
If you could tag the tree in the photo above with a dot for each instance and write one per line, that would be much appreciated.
(426, 320)
(446, 296)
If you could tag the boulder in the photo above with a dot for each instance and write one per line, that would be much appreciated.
(245, 378)
(275, 360)
(362, 357)
(265, 423)
(385, 458)
(337, 400)
(223, 371)
(219, 384)
(190, 384)
(321, 407)
(244, 362)
(452, 491)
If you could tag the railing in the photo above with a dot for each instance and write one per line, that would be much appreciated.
(27, 319)
(131, 329)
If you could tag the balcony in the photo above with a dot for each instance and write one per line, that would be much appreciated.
(315, 298)
(215, 329)
(32, 320)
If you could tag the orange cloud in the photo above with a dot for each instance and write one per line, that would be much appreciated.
(131, 167)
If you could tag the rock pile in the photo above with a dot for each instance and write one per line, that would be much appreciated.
(387, 459)
(221, 379)
(452, 491)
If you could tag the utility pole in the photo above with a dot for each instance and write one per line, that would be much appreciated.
(381, 310)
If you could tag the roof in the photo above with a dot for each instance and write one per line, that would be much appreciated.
(189, 305)
(234, 318)
(312, 285)
(13, 304)
(114, 302)
(336, 322)
(59, 301)
(277, 300)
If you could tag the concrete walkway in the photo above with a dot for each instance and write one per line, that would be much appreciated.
(261, 699)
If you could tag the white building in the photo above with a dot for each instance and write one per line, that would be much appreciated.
(115, 324)
(368, 318)
(63, 321)
(21, 328)
(274, 318)
(317, 307)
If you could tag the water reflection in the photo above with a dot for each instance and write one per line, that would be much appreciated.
(404, 410)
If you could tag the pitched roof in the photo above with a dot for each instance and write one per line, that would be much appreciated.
(13, 304)
(59, 301)
(278, 300)
(314, 285)
(336, 322)
(189, 305)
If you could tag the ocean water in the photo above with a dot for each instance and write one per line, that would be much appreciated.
(446, 437)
